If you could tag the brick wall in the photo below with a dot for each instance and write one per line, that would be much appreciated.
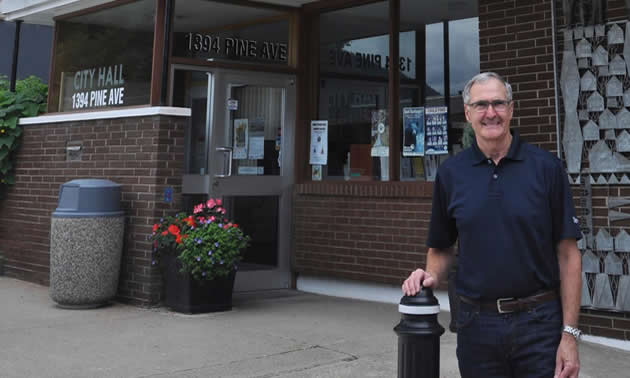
(374, 233)
(515, 40)
(144, 154)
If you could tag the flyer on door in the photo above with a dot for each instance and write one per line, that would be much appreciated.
(413, 131)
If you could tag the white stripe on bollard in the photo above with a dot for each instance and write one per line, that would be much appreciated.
(418, 310)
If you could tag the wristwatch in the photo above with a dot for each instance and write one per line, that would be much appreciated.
(573, 332)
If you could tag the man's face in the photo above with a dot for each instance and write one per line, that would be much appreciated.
(490, 124)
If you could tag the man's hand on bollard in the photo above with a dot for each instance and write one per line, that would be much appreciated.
(416, 279)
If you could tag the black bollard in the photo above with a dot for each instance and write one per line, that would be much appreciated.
(419, 336)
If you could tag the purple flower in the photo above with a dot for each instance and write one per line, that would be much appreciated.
(220, 224)
(203, 274)
(216, 244)
(153, 262)
(209, 253)
(198, 258)
(221, 262)
(198, 241)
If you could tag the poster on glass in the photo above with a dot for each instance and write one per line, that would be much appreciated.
(413, 131)
(436, 132)
(380, 134)
(240, 139)
(319, 143)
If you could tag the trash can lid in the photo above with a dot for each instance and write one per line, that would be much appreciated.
(423, 303)
(88, 197)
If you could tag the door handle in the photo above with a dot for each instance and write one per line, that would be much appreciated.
(228, 151)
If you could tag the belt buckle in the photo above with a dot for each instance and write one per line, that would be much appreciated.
(499, 305)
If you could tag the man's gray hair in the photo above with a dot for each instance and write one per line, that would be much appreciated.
(482, 78)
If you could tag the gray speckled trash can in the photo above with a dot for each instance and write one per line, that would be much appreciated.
(86, 240)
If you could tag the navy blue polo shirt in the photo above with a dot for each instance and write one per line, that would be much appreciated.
(508, 217)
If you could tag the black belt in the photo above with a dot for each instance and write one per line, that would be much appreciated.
(507, 305)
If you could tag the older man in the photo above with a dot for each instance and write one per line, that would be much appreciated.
(519, 268)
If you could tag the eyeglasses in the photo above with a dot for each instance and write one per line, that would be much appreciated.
(497, 105)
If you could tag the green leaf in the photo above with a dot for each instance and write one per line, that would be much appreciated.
(7, 141)
(10, 122)
(3, 153)
(31, 110)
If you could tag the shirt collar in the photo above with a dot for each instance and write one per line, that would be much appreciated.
(514, 153)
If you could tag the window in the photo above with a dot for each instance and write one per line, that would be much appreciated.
(217, 31)
(431, 121)
(354, 63)
(104, 59)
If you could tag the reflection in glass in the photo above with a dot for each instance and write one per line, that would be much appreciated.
(354, 63)
(191, 91)
(104, 59)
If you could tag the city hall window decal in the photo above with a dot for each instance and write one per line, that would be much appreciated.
(98, 87)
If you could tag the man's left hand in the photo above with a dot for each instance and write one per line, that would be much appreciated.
(567, 359)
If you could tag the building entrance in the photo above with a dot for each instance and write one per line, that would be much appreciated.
(239, 149)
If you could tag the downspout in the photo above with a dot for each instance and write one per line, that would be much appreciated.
(16, 50)
(555, 76)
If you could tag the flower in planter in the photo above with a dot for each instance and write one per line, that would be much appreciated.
(206, 243)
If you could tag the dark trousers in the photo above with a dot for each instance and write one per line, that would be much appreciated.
(521, 344)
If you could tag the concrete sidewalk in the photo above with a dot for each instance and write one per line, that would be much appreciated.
(273, 334)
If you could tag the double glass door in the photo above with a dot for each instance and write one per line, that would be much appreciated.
(239, 149)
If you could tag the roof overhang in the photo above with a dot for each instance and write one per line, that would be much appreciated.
(44, 11)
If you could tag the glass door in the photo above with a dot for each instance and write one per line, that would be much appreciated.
(250, 124)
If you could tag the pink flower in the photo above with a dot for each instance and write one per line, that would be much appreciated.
(212, 218)
(210, 204)
(222, 211)
(218, 202)
(198, 209)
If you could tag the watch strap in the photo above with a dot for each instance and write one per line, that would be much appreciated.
(572, 331)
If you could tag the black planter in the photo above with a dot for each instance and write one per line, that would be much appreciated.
(184, 294)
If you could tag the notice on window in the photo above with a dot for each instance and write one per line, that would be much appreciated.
(256, 148)
(319, 143)
(380, 134)
(413, 131)
(436, 133)
(240, 139)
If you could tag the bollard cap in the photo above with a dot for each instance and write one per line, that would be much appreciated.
(423, 303)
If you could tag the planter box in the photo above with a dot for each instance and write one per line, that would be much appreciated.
(184, 294)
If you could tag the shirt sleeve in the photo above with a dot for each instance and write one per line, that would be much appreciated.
(565, 224)
(442, 229)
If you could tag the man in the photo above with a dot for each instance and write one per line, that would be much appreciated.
(519, 268)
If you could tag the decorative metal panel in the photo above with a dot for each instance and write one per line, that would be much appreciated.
(613, 180)
(586, 294)
(623, 142)
(595, 102)
(602, 297)
(590, 262)
(609, 135)
(590, 131)
(616, 216)
(572, 142)
(615, 35)
(607, 120)
(603, 241)
(601, 180)
(600, 158)
(600, 56)
(583, 49)
(589, 31)
(617, 66)
(613, 264)
(612, 102)
(622, 241)
(602, 71)
(588, 82)
(623, 294)
(600, 30)
(614, 87)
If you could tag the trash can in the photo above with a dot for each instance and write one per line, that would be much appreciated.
(86, 240)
